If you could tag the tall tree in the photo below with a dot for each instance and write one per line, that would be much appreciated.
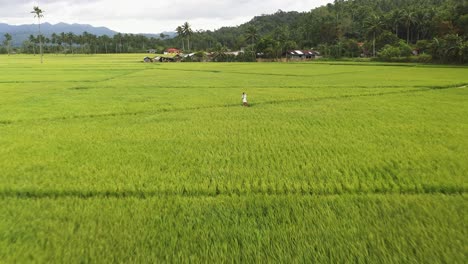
(374, 26)
(118, 42)
(396, 18)
(105, 40)
(180, 34)
(251, 34)
(408, 18)
(38, 13)
(70, 39)
(7, 42)
(281, 35)
(54, 40)
(63, 39)
(33, 41)
(187, 31)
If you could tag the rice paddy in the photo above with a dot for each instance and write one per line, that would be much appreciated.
(107, 159)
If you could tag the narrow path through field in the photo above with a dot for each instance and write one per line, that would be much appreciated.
(265, 73)
(213, 191)
(78, 81)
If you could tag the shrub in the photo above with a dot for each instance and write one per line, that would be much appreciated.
(405, 49)
(422, 58)
(389, 52)
(423, 46)
(386, 38)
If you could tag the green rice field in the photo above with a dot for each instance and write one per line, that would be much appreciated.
(105, 159)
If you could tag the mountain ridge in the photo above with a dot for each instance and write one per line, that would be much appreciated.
(20, 33)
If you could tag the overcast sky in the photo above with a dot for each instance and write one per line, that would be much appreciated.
(149, 16)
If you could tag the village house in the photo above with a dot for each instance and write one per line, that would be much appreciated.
(172, 51)
(301, 54)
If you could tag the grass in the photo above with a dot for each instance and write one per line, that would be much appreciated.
(254, 228)
(106, 159)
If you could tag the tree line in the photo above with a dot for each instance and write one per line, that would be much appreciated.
(87, 43)
(436, 30)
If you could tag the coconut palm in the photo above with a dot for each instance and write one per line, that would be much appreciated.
(251, 34)
(408, 19)
(105, 40)
(70, 39)
(187, 31)
(54, 40)
(373, 25)
(180, 34)
(396, 18)
(38, 14)
(33, 41)
(424, 19)
(7, 42)
(63, 39)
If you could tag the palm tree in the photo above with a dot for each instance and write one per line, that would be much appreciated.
(85, 41)
(118, 42)
(105, 40)
(62, 39)
(251, 34)
(46, 42)
(374, 25)
(7, 42)
(408, 19)
(219, 52)
(54, 40)
(396, 18)
(281, 35)
(423, 19)
(33, 41)
(187, 33)
(38, 13)
(70, 38)
(180, 34)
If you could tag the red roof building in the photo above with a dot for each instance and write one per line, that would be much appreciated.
(172, 50)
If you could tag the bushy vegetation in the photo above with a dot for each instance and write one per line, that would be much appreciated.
(105, 159)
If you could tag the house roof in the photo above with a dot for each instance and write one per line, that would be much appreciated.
(302, 52)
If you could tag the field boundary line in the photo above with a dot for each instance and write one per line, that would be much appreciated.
(265, 74)
(81, 81)
(257, 87)
(122, 75)
(215, 192)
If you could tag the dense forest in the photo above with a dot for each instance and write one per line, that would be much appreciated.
(394, 30)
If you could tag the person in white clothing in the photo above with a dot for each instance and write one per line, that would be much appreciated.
(244, 99)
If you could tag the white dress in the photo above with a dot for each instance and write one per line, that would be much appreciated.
(244, 98)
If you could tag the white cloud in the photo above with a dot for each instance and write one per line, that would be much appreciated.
(149, 15)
